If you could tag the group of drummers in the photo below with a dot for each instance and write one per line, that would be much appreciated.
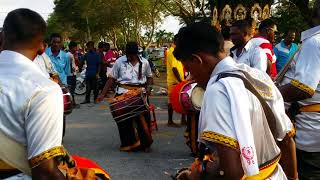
(238, 124)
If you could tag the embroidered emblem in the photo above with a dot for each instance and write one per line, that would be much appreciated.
(247, 153)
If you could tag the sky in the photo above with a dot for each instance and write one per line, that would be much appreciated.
(45, 7)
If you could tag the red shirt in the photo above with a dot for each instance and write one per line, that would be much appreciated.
(264, 44)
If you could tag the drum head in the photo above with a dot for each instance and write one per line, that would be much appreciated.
(197, 97)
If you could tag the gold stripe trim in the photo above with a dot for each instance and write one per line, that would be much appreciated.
(266, 171)
(310, 108)
(302, 87)
(221, 139)
(5, 167)
(292, 132)
(47, 155)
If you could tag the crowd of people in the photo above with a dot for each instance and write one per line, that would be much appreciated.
(259, 117)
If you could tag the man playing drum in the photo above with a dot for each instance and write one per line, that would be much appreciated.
(300, 86)
(31, 109)
(132, 72)
(242, 115)
(31, 105)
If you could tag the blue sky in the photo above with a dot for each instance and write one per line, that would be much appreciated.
(45, 7)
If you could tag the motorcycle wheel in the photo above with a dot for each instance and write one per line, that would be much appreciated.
(80, 88)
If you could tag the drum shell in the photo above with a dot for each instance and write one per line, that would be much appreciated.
(129, 107)
(180, 99)
(67, 101)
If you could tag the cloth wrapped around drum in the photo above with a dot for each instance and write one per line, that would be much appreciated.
(131, 113)
(128, 105)
(80, 168)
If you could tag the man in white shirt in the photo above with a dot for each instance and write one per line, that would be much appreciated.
(301, 88)
(31, 105)
(244, 50)
(45, 65)
(238, 123)
(132, 72)
(72, 77)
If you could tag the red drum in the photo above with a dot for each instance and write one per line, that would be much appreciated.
(67, 100)
(128, 105)
(186, 96)
(82, 162)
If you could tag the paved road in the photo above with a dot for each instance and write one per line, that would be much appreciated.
(91, 132)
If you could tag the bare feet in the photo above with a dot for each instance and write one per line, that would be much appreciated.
(183, 122)
(172, 124)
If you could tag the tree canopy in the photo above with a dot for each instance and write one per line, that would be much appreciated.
(120, 21)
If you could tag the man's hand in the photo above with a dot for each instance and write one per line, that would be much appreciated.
(196, 170)
(176, 74)
(47, 170)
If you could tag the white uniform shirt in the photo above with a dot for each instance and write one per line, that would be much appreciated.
(216, 123)
(252, 56)
(31, 105)
(305, 71)
(74, 67)
(125, 73)
(45, 64)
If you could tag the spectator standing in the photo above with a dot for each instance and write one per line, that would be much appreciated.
(92, 60)
(285, 49)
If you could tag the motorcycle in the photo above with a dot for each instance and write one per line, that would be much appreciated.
(81, 84)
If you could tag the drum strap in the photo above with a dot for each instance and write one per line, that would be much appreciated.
(266, 108)
(14, 154)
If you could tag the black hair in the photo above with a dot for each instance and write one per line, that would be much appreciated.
(72, 44)
(198, 37)
(226, 32)
(90, 43)
(267, 23)
(175, 38)
(132, 48)
(107, 45)
(22, 26)
(245, 26)
(55, 35)
(101, 44)
(290, 30)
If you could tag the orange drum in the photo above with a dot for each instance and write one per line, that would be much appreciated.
(186, 97)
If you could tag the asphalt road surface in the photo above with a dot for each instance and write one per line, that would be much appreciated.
(91, 132)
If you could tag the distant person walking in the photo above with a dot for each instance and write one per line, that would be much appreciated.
(93, 60)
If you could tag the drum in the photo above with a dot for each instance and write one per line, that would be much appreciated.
(128, 105)
(186, 97)
(84, 163)
(67, 100)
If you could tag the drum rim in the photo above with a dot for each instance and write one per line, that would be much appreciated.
(198, 108)
(180, 101)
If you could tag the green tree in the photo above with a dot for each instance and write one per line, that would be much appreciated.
(117, 21)
(162, 37)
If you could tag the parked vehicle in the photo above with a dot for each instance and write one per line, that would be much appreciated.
(81, 84)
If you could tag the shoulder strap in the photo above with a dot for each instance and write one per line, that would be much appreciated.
(266, 108)
(285, 68)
